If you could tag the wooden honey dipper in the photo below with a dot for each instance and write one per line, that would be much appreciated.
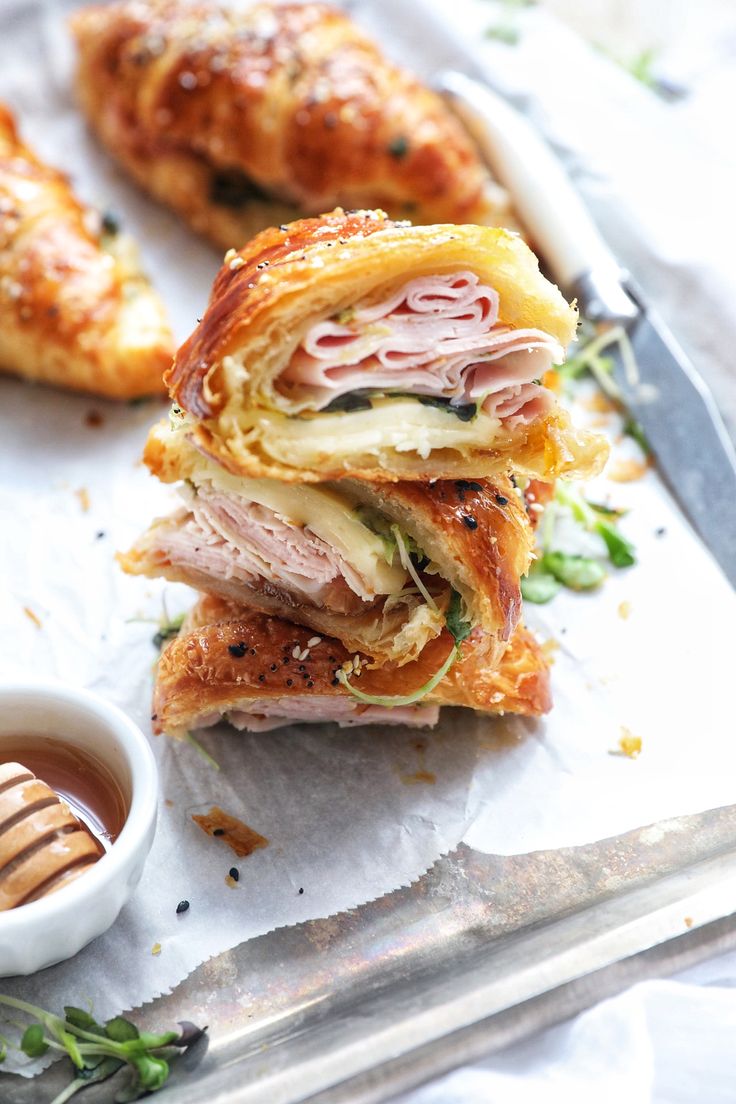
(43, 845)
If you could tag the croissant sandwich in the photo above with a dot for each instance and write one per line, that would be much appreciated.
(260, 672)
(351, 345)
(75, 309)
(242, 119)
(378, 566)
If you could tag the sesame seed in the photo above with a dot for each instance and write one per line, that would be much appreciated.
(469, 522)
(182, 907)
(236, 263)
(296, 652)
(315, 640)
(234, 873)
(501, 500)
(305, 654)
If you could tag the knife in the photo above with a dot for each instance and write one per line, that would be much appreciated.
(680, 419)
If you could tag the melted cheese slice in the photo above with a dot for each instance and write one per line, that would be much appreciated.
(328, 513)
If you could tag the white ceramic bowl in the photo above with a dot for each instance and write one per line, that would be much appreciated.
(56, 927)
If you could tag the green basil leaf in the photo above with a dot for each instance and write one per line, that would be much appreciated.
(152, 1072)
(575, 572)
(33, 1043)
(539, 587)
(121, 1030)
(457, 625)
(79, 1018)
(620, 551)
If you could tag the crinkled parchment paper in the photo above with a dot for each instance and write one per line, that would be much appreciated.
(345, 812)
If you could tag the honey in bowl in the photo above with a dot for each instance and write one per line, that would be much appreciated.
(60, 810)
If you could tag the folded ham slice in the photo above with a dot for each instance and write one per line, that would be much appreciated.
(269, 713)
(229, 537)
(437, 336)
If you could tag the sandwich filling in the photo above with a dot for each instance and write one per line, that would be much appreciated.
(264, 714)
(439, 339)
(303, 547)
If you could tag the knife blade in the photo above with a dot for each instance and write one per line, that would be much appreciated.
(674, 406)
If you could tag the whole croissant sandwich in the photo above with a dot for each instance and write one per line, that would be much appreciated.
(75, 308)
(243, 118)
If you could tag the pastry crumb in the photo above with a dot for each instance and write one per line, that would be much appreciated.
(624, 610)
(33, 617)
(628, 744)
(156, 949)
(627, 471)
(689, 921)
(83, 495)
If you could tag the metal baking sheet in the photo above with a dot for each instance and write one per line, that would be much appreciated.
(480, 952)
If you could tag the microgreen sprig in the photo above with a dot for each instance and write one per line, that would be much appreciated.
(554, 568)
(97, 1051)
(459, 628)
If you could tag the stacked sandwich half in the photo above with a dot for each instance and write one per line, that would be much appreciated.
(356, 418)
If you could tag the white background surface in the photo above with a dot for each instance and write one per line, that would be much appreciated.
(611, 126)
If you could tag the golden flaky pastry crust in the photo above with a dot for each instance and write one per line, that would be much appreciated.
(226, 376)
(241, 119)
(198, 674)
(75, 309)
(477, 533)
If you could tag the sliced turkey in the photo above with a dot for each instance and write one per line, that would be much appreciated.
(437, 336)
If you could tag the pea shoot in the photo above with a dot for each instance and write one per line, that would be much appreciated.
(97, 1051)
(555, 568)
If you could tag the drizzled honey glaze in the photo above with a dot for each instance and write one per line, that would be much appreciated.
(78, 777)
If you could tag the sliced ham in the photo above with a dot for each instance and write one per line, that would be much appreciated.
(437, 336)
(269, 713)
(229, 537)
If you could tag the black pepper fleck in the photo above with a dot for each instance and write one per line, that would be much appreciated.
(261, 678)
(274, 666)
(289, 682)
(100, 534)
(252, 651)
(335, 682)
(154, 716)
(301, 890)
(182, 907)
(310, 684)
(660, 532)
(237, 650)
(501, 500)
(234, 873)
(218, 831)
(469, 522)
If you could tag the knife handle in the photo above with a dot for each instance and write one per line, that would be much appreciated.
(546, 201)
